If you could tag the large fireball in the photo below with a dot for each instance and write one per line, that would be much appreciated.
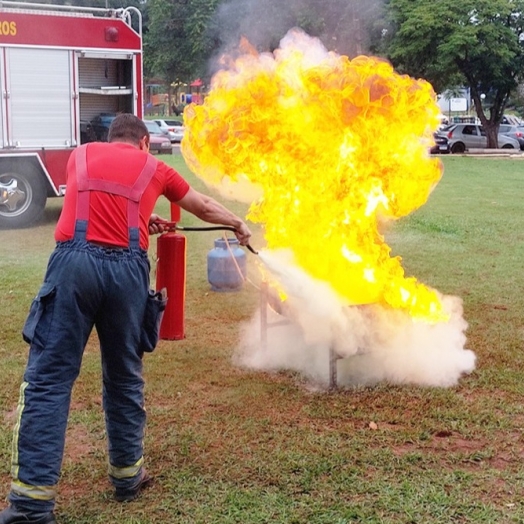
(338, 147)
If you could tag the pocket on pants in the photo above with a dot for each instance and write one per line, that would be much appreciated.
(40, 313)
(155, 306)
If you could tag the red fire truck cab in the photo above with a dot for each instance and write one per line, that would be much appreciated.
(60, 68)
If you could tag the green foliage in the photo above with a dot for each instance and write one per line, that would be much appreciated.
(175, 44)
(474, 43)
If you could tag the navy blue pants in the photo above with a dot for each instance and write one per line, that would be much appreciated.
(85, 286)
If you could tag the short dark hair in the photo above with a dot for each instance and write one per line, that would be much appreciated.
(127, 128)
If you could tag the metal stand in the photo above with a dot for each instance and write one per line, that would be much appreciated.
(265, 325)
(333, 358)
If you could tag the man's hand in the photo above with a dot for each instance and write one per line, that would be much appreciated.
(156, 225)
(243, 234)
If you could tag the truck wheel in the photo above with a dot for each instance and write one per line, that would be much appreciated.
(23, 195)
(507, 146)
(459, 147)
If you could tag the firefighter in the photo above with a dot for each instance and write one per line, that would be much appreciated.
(97, 276)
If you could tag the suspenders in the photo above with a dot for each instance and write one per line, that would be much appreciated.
(132, 193)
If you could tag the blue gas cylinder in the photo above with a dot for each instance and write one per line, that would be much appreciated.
(226, 265)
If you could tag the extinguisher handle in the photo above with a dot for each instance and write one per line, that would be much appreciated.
(166, 225)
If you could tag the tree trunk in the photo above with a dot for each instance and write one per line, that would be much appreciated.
(169, 98)
(492, 135)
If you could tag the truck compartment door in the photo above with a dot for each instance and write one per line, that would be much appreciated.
(39, 98)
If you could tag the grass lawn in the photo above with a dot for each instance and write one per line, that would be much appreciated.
(228, 445)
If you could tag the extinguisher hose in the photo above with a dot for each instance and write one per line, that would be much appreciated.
(210, 228)
(206, 228)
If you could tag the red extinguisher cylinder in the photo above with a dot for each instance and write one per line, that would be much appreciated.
(171, 274)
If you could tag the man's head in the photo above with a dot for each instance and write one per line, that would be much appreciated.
(129, 128)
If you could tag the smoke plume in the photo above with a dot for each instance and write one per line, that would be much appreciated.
(343, 26)
(374, 344)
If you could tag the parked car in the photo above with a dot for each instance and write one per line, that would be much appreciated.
(159, 141)
(87, 133)
(513, 131)
(441, 144)
(472, 136)
(100, 125)
(175, 128)
(160, 144)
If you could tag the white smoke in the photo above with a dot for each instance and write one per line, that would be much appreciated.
(374, 344)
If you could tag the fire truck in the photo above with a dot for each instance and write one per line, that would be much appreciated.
(61, 67)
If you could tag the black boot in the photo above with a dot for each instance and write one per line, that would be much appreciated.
(129, 494)
(11, 515)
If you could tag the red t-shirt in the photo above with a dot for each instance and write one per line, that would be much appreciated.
(122, 163)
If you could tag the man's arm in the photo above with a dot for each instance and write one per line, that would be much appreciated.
(208, 210)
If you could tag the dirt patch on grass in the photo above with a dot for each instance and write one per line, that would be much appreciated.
(79, 444)
(505, 452)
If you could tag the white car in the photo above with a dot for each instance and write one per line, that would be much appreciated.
(175, 129)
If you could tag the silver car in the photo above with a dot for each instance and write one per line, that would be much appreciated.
(513, 131)
(472, 136)
(174, 128)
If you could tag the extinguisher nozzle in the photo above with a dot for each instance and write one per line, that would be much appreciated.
(251, 249)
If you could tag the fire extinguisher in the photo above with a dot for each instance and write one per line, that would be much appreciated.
(171, 274)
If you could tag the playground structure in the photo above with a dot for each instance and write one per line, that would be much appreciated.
(159, 101)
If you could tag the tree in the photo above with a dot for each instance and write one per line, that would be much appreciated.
(176, 44)
(477, 43)
(165, 42)
(516, 101)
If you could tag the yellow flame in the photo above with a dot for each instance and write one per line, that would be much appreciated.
(338, 147)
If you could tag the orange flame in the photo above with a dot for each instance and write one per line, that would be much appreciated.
(338, 147)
